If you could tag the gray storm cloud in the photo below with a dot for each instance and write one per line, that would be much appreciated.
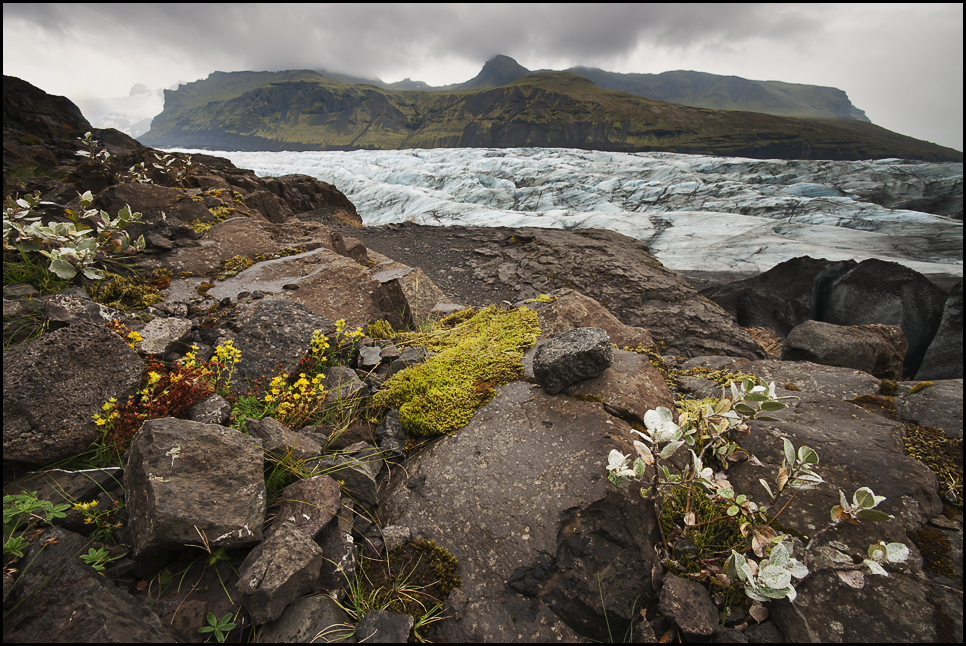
(902, 64)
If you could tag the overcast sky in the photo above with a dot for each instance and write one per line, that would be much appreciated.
(902, 64)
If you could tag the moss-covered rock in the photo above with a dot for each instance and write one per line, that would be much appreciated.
(474, 357)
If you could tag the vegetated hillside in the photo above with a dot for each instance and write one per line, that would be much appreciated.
(696, 89)
(703, 90)
(302, 110)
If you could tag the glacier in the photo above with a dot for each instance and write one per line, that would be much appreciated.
(696, 212)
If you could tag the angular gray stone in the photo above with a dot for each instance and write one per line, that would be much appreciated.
(408, 357)
(279, 440)
(392, 436)
(841, 346)
(689, 605)
(382, 627)
(341, 555)
(395, 535)
(279, 571)
(181, 475)
(309, 504)
(343, 383)
(164, 335)
(64, 309)
(211, 410)
(519, 493)
(62, 599)
(575, 355)
(944, 358)
(52, 387)
(357, 472)
(307, 620)
(277, 331)
(369, 357)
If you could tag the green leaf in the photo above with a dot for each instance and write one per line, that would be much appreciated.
(872, 514)
(772, 405)
(93, 274)
(63, 269)
(756, 397)
(807, 455)
(744, 409)
(875, 568)
(863, 497)
(15, 545)
(767, 488)
(669, 450)
(789, 450)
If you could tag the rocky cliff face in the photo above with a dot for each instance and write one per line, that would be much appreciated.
(300, 110)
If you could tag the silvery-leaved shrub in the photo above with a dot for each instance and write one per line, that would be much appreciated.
(710, 434)
(72, 246)
(172, 166)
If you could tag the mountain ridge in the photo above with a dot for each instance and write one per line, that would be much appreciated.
(304, 110)
(687, 87)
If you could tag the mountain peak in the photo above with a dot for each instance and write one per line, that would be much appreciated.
(497, 71)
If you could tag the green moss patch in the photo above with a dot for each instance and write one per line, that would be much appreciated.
(934, 546)
(413, 579)
(943, 455)
(477, 351)
(884, 406)
(921, 386)
(889, 388)
(125, 294)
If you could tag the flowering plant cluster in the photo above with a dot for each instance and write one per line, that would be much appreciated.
(711, 433)
(294, 404)
(165, 391)
(21, 514)
(105, 519)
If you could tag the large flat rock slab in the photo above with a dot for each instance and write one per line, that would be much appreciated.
(856, 449)
(52, 387)
(326, 283)
(519, 496)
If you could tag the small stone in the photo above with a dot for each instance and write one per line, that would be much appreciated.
(575, 355)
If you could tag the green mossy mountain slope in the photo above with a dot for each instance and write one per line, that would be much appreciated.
(302, 110)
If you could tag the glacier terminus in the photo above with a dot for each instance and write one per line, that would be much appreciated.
(696, 212)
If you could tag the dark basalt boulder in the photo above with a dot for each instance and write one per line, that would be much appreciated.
(52, 387)
(778, 299)
(944, 358)
(876, 291)
(538, 531)
(876, 349)
(62, 599)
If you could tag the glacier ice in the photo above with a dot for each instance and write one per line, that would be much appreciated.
(696, 212)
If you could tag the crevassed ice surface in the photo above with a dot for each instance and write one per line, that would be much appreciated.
(695, 212)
